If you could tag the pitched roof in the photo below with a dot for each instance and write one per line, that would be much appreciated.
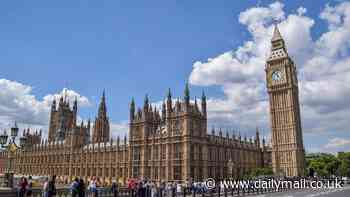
(276, 34)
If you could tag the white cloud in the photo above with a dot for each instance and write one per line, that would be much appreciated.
(336, 142)
(17, 103)
(120, 129)
(301, 11)
(69, 95)
(323, 64)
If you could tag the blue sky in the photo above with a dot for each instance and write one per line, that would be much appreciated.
(131, 48)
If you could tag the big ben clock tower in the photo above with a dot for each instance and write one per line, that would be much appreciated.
(288, 156)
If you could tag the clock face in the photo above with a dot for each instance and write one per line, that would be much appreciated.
(276, 75)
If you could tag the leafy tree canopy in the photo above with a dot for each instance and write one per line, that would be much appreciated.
(325, 164)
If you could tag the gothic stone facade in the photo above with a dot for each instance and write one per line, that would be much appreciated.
(176, 146)
(288, 155)
(63, 123)
(172, 143)
(169, 145)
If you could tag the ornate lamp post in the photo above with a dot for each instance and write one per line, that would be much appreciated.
(11, 149)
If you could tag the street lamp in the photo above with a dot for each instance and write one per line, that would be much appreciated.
(11, 149)
(3, 138)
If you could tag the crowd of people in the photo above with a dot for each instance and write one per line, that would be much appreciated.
(25, 187)
(94, 188)
(77, 187)
(146, 188)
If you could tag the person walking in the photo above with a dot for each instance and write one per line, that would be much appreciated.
(162, 188)
(52, 187)
(93, 187)
(148, 188)
(75, 187)
(132, 187)
(139, 192)
(173, 189)
(46, 187)
(29, 189)
(114, 189)
(153, 189)
(81, 188)
(23, 186)
(178, 189)
(169, 189)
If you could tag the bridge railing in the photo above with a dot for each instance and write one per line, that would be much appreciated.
(185, 192)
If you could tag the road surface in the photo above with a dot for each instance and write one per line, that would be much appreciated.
(339, 192)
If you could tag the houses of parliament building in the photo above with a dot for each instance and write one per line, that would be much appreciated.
(167, 144)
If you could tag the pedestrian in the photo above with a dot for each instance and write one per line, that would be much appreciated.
(148, 188)
(93, 187)
(139, 189)
(46, 187)
(178, 189)
(52, 186)
(192, 187)
(173, 189)
(114, 188)
(153, 190)
(132, 187)
(169, 189)
(29, 189)
(23, 186)
(81, 188)
(144, 188)
(75, 187)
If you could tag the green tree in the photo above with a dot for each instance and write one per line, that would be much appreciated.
(327, 164)
(344, 167)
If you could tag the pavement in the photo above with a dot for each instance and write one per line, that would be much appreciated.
(338, 192)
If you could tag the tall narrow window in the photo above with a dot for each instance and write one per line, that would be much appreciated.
(136, 154)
